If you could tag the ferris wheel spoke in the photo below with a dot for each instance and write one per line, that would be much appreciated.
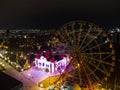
(94, 65)
(95, 56)
(87, 76)
(103, 66)
(59, 36)
(96, 46)
(91, 40)
(86, 35)
(79, 34)
(99, 53)
(73, 35)
(64, 36)
(91, 72)
(100, 60)
(67, 34)
(107, 57)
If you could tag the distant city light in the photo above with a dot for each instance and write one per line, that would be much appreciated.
(118, 30)
(25, 36)
(106, 41)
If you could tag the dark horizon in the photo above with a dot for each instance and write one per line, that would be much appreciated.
(52, 14)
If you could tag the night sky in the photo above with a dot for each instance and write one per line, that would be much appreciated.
(52, 13)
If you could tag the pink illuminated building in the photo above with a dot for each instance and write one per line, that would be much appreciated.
(52, 65)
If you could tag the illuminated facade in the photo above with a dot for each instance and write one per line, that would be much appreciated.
(51, 66)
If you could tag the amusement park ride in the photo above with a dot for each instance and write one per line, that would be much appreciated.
(90, 56)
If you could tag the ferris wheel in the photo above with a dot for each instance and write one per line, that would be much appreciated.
(91, 53)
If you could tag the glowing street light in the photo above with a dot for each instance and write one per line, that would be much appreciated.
(29, 74)
(41, 85)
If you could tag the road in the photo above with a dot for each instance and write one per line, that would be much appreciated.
(29, 78)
